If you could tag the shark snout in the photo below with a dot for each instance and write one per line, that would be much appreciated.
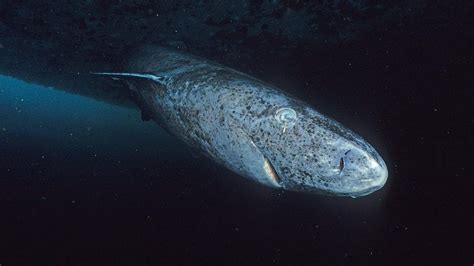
(372, 177)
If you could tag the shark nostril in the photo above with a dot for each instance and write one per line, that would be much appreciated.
(341, 164)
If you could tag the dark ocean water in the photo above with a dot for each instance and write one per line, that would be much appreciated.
(86, 182)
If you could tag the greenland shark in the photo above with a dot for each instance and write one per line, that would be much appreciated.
(249, 126)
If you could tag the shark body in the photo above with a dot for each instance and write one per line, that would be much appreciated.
(249, 126)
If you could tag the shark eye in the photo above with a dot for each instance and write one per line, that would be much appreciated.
(286, 115)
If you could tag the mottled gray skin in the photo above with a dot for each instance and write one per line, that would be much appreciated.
(251, 127)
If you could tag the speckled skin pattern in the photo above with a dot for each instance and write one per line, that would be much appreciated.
(251, 127)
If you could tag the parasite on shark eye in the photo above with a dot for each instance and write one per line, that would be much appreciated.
(286, 116)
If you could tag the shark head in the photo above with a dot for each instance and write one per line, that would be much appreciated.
(310, 152)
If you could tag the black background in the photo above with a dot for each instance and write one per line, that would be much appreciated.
(408, 91)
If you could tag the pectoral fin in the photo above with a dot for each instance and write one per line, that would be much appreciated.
(245, 157)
